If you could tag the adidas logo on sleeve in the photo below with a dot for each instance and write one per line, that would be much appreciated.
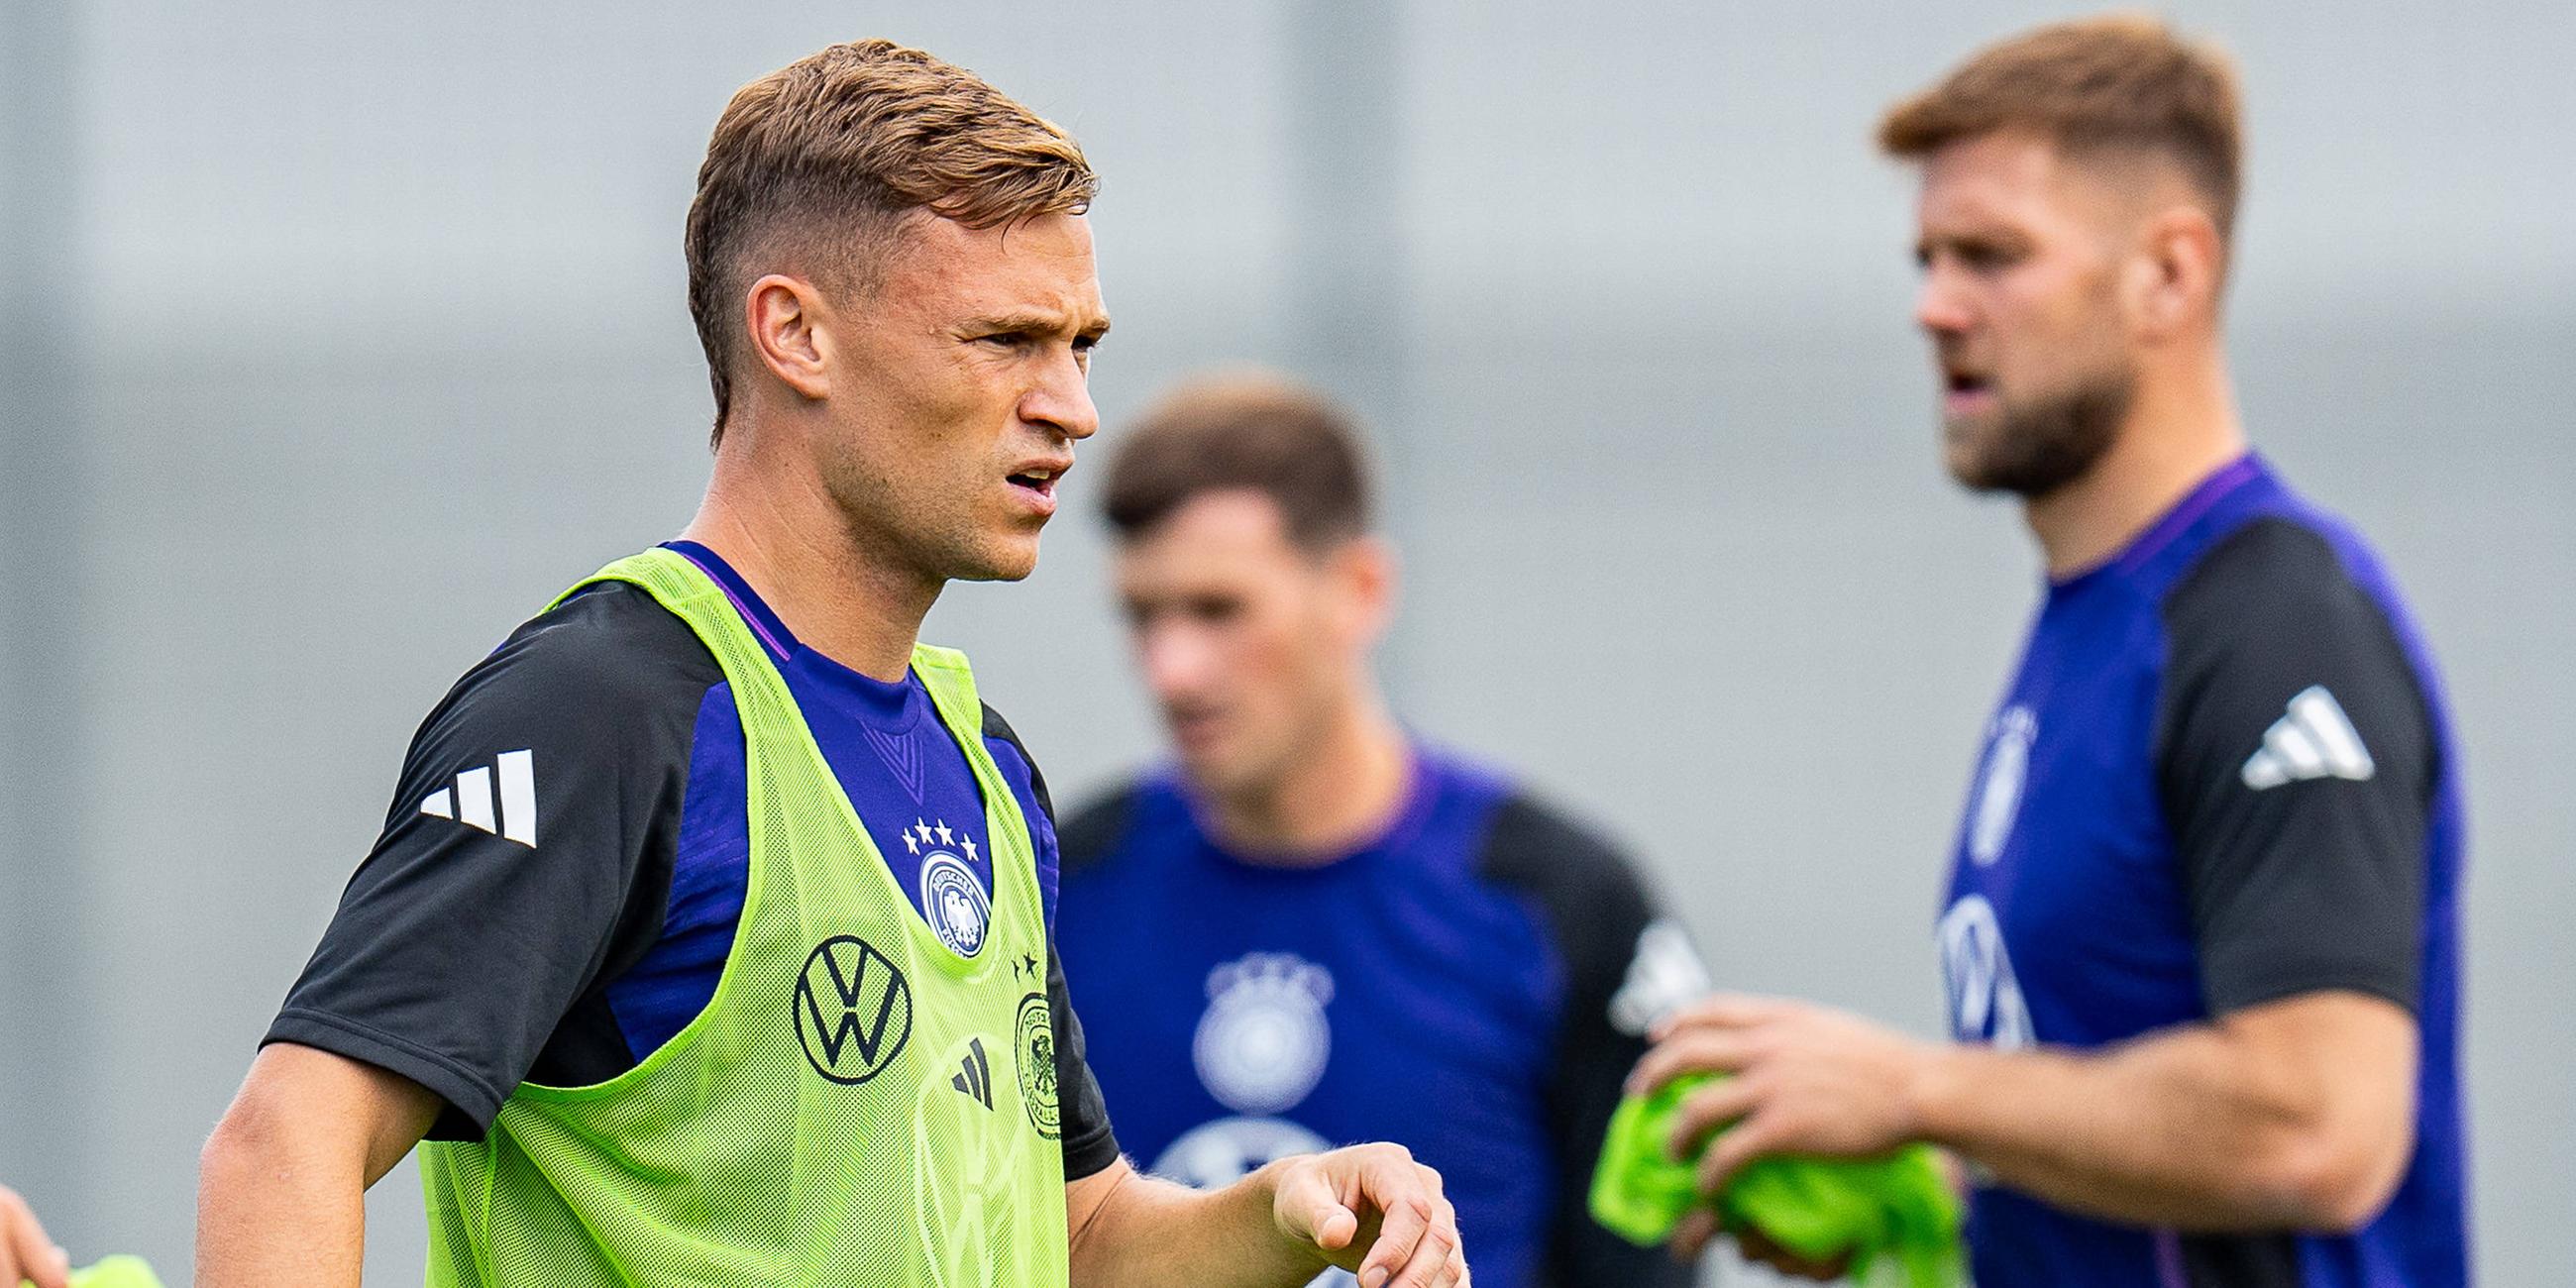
(511, 812)
(2315, 740)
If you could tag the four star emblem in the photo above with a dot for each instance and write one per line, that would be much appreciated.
(923, 832)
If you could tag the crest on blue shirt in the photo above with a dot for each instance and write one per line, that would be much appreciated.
(954, 902)
(1999, 789)
(1262, 1045)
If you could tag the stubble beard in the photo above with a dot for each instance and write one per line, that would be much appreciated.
(2040, 445)
(885, 521)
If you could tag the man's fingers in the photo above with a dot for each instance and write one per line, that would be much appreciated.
(1708, 1109)
(1692, 1233)
(1428, 1267)
(1721, 1010)
(1749, 1139)
(1759, 1247)
(1311, 1211)
(1333, 1227)
(1701, 1050)
(1402, 1224)
(25, 1251)
(1417, 1229)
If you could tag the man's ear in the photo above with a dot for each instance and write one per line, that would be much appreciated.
(1367, 570)
(790, 331)
(2176, 272)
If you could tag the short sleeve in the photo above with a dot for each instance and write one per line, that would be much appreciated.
(525, 858)
(1625, 963)
(2297, 764)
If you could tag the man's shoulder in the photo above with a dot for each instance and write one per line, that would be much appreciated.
(2269, 555)
(1533, 842)
(2286, 586)
(1095, 831)
(608, 678)
(1625, 959)
(612, 647)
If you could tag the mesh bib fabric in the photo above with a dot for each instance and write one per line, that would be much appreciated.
(858, 1105)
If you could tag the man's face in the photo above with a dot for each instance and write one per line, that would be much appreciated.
(2021, 254)
(959, 389)
(1249, 642)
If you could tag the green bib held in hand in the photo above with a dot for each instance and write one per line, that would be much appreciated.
(1895, 1217)
(113, 1272)
(858, 1106)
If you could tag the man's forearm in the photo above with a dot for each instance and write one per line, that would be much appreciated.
(1149, 1233)
(268, 1213)
(2185, 1128)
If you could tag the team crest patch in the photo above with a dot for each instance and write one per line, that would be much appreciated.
(954, 903)
(1262, 1045)
(853, 1010)
(1036, 1060)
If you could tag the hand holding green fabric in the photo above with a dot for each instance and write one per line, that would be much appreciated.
(116, 1272)
(1895, 1217)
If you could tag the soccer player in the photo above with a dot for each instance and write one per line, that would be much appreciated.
(26, 1251)
(2201, 943)
(1318, 926)
(707, 941)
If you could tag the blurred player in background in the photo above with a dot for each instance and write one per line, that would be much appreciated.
(26, 1251)
(2201, 942)
(709, 938)
(1316, 927)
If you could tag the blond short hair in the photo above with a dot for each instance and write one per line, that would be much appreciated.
(2118, 83)
(813, 166)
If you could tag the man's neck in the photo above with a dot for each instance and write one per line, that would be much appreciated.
(2180, 430)
(1341, 794)
(834, 591)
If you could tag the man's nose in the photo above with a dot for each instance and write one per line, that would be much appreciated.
(1941, 308)
(1062, 399)
(1177, 661)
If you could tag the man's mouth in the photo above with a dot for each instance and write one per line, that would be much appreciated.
(1965, 392)
(1037, 483)
(1191, 727)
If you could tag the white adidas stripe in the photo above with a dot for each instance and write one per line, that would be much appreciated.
(513, 815)
(2314, 740)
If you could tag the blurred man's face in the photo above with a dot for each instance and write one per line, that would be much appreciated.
(2020, 254)
(1250, 643)
(961, 387)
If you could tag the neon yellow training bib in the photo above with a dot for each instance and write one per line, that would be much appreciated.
(857, 1107)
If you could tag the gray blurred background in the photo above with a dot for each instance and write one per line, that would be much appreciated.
(334, 339)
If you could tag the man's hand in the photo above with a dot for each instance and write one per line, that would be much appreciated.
(1372, 1210)
(25, 1250)
(2296, 1114)
(1700, 1228)
(1808, 1080)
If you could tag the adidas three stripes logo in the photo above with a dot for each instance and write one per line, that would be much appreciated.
(974, 1075)
(2315, 740)
(511, 812)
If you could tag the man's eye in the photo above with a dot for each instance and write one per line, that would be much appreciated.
(1004, 339)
